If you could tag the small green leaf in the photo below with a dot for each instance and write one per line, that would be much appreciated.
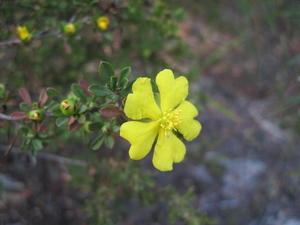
(52, 92)
(109, 142)
(113, 83)
(116, 129)
(97, 142)
(55, 110)
(78, 92)
(25, 107)
(122, 83)
(113, 97)
(61, 121)
(123, 79)
(35, 105)
(26, 142)
(125, 72)
(105, 71)
(82, 109)
(52, 105)
(99, 90)
(37, 145)
(95, 126)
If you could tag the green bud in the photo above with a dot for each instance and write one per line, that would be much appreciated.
(2, 90)
(68, 106)
(37, 114)
(86, 126)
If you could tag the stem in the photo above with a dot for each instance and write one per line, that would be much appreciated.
(48, 156)
(5, 117)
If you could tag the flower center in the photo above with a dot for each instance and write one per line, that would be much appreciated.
(169, 120)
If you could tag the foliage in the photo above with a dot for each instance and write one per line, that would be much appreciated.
(127, 192)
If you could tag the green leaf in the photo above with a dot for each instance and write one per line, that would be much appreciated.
(99, 90)
(37, 145)
(52, 92)
(95, 126)
(61, 121)
(25, 107)
(109, 142)
(82, 109)
(122, 83)
(113, 83)
(78, 92)
(55, 110)
(97, 142)
(105, 71)
(52, 105)
(123, 79)
(125, 72)
(25, 145)
(35, 105)
(113, 97)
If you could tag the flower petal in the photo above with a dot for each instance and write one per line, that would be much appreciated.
(141, 136)
(141, 103)
(168, 149)
(188, 127)
(172, 91)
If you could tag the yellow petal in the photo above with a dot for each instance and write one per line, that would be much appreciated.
(141, 103)
(141, 136)
(168, 149)
(188, 127)
(172, 91)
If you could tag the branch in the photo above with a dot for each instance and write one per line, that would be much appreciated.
(5, 117)
(49, 157)
(45, 33)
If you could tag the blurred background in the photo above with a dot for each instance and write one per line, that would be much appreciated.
(242, 58)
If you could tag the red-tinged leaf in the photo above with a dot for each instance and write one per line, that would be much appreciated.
(24, 94)
(18, 115)
(44, 128)
(84, 84)
(74, 126)
(43, 97)
(71, 120)
(110, 112)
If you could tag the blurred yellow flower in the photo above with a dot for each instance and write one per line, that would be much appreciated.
(103, 22)
(70, 28)
(160, 121)
(23, 33)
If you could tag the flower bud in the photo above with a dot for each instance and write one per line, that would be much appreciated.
(103, 22)
(70, 28)
(68, 106)
(37, 114)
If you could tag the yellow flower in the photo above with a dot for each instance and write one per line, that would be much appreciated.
(70, 28)
(23, 33)
(103, 22)
(173, 114)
